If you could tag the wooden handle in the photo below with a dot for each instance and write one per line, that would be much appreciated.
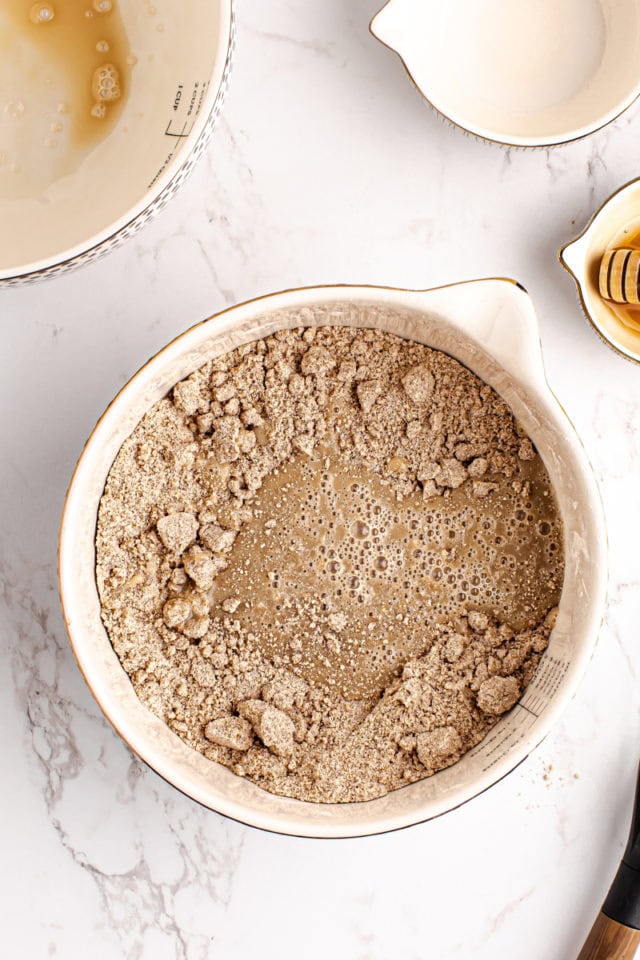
(609, 940)
(619, 278)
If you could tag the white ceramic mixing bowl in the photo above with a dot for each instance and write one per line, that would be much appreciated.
(488, 325)
(521, 72)
(182, 54)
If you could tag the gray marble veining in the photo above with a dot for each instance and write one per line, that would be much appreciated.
(326, 167)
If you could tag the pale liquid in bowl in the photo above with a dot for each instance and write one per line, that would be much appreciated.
(50, 116)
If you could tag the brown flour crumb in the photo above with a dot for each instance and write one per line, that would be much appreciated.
(498, 694)
(329, 560)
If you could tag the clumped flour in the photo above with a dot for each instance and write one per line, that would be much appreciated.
(329, 560)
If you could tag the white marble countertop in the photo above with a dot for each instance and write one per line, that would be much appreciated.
(326, 167)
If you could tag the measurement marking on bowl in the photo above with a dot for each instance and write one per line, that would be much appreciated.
(172, 133)
(190, 109)
(185, 115)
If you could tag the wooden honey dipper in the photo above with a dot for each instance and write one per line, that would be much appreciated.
(620, 276)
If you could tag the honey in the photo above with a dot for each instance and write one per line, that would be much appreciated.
(65, 68)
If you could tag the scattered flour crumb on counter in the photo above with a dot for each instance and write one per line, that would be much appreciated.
(330, 560)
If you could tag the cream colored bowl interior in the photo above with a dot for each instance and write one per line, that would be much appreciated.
(182, 51)
(614, 223)
(524, 72)
(487, 325)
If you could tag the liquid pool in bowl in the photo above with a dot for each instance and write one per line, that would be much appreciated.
(104, 107)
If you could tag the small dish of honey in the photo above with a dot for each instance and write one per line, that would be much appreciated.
(604, 261)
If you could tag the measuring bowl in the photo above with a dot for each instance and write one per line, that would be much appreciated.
(521, 72)
(488, 325)
(175, 91)
(615, 224)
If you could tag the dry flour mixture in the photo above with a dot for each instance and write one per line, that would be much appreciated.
(330, 560)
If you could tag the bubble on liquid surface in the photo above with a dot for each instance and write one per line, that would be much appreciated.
(41, 13)
(105, 85)
(102, 6)
(15, 108)
(102, 46)
(342, 534)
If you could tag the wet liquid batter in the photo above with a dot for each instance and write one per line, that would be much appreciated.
(65, 68)
(331, 545)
